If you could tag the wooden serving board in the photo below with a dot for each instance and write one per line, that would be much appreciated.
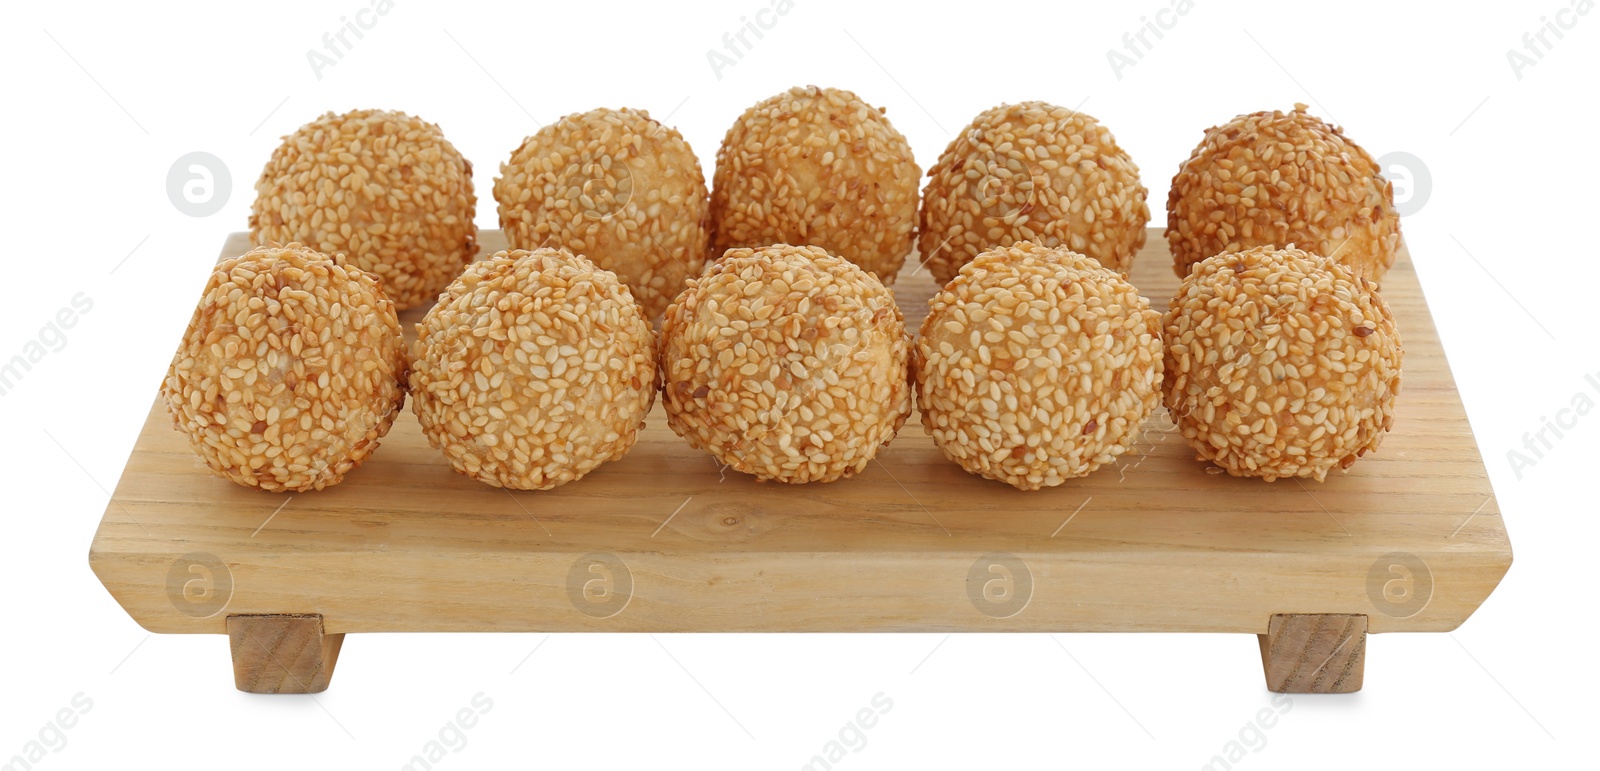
(1409, 540)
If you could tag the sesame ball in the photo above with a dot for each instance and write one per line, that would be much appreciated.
(786, 362)
(383, 189)
(290, 372)
(617, 187)
(533, 369)
(817, 166)
(1036, 365)
(1273, 179)
(1032, 172)
(1280, 363)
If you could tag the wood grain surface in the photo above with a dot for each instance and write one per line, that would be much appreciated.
(665, 540)
(1315, 653)
(282, 653)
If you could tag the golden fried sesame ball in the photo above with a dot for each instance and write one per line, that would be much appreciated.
(1274, 178)
(383, 189)
(1037, 364)
(1032, 172)
(786, 362)
(617, 187)
(533, 369)
(817, 166)
(1280, 363)
(292, 369)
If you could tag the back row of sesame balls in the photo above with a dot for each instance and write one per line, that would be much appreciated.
(819, 167)
(809, 166)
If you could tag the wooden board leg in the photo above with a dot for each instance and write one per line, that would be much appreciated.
(282, 653)
(1314, 652)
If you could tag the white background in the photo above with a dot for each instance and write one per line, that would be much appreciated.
(101, 99)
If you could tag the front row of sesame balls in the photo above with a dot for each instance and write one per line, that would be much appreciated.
(1035, 365)
(1038, 361)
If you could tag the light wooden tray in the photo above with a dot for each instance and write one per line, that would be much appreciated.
(1409, 540)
